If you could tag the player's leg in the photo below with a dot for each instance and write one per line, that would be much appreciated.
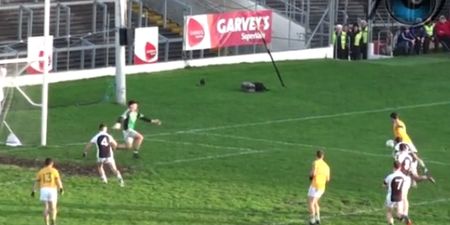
(53, 212)
(312, 205)
(113, 167)
(46, 213)
(312, 210)
(389, 216)
(128, 138)
(138, 138)
(419, 178)
(317, 209)
(101, 171)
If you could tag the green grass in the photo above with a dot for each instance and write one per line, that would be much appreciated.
(226, 157)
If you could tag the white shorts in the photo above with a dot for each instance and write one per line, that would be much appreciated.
(129, 135)
(314, 193)
(390, 204)
(109, 160)
(49, 194)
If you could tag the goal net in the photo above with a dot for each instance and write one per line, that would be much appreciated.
(19, 106)
(21, 98)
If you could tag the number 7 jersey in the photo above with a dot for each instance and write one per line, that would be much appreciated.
(398, 185)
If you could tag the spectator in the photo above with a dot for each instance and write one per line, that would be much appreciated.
(419, 37)
(442, 31)
(355, 42)
(346, 29)
(339, 42)
(429, 35)
(365, 38)
(405, 42)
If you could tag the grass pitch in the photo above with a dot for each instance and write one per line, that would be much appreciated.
(226, 157)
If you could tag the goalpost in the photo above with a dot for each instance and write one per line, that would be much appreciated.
(9, 84)
(43, 104)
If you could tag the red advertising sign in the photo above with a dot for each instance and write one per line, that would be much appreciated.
(146, 45)
(35, 50)
(227, 29)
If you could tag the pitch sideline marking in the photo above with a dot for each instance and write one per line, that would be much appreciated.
(309, 146)
(309, 118)
(359, 212)
(425, 105)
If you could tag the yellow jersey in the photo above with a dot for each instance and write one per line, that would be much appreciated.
(48, 177)
(321, 174)
(399, 129)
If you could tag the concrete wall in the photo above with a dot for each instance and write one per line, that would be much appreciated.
(318, 53)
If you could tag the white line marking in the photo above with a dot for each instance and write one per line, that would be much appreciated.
(241, 152)
(210, 157)
(315, 117)
(311, 146)
(16, 182)
(203, 145)
(359, 212)
(425, 105)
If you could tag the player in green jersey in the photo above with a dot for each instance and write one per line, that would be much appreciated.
(127, 121)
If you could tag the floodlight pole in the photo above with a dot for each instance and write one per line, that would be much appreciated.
(332, 19)
(121, 94)
(44, 115)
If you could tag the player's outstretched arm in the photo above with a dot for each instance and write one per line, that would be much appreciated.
(156, 122)
(33, 190)
(113, 144)
(86, 149)
(312, 173)
(152, 121)
(60, 185)
(421, 162)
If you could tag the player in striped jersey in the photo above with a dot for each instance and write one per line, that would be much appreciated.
(105, 144)
(397, 184)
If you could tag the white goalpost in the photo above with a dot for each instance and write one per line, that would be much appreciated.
(10, 124)
(9, 81)
(44, 106)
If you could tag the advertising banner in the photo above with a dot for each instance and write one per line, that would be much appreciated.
(146, 45)
(35, 50)
(227, 29)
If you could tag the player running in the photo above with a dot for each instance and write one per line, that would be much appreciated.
(400, 135)
(49, 182)
(397, 184)
(105, 144)
(407, 161)
(127, 121)
(319, 176)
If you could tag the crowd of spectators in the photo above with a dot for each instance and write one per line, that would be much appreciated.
(351, 41)
(421, 39)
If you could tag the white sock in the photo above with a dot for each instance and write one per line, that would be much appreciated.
(104, 179)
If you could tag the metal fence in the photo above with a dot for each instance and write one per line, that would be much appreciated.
(94, 47)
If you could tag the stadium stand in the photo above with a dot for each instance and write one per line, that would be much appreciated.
(84, 29)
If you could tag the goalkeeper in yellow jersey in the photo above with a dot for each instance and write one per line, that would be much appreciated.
(127, 121)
